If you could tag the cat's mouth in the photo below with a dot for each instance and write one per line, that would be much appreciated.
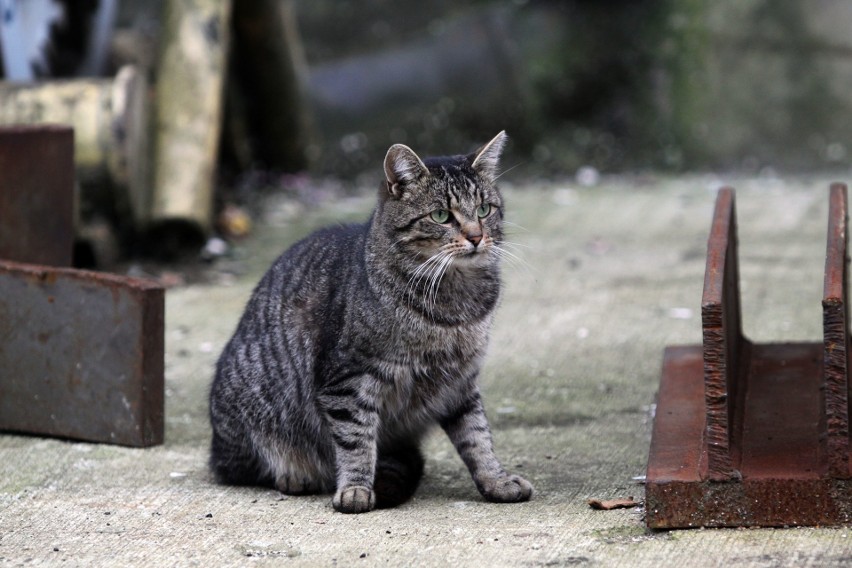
(456, 255)
(472, 255)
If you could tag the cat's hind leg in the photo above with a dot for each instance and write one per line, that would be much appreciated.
(294, 478)
(232, 463)
(398, 474)
(296, 471)
(268, 464)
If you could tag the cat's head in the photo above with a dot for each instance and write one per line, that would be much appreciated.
(448, 208)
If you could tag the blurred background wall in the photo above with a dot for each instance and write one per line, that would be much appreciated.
(616, 84)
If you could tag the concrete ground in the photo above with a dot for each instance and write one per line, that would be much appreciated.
(610, 275)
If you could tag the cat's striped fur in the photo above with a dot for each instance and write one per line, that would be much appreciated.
(360, 338)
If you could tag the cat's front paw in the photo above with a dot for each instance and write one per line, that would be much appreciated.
(354, 499)
(506, 489)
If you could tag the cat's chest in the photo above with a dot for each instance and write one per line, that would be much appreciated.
(408, 390)
(420, 374)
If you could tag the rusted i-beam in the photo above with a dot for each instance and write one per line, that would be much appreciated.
(754, 434)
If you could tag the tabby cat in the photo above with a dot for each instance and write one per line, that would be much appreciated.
(359, 338)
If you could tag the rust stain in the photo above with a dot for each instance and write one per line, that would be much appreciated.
(46, 277)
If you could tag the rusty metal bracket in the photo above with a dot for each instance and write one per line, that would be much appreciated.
(752, 434)
(81, 353)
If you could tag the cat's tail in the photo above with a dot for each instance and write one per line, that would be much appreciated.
(398, 474)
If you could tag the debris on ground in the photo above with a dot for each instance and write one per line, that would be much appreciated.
(610, 504)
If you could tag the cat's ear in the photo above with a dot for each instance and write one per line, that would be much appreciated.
(486, 160)
(402, 166)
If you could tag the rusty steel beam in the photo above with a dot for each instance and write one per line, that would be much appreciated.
(36, 194)
(754, 434)
(81, 355)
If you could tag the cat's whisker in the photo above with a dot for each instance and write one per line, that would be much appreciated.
(413, 283)
(423, 271)
(501, 249)
(422, 268)
(521, 227)
(511, 258)
(398, 241)
(432, 274)
(438, 277)
(514, 244)
(436, 271)
(507, 170)
(429, 291)
(418, 274)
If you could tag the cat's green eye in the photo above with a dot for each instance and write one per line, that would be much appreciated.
(440, 216)
(483, 211)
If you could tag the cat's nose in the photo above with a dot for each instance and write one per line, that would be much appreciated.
(475, 239)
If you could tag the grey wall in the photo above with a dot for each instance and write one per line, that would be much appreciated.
(616, 84)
